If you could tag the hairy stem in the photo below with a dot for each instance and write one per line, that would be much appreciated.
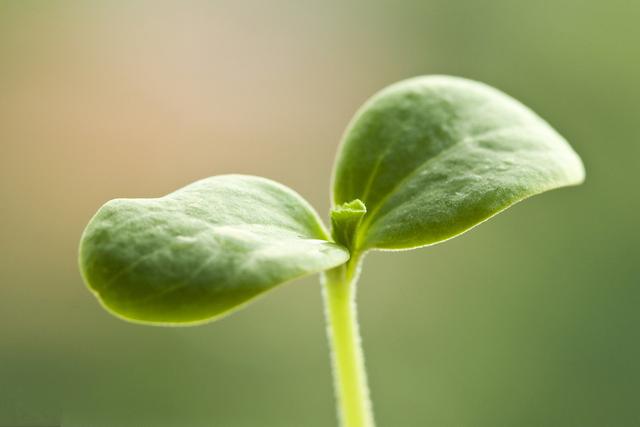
(349, 375)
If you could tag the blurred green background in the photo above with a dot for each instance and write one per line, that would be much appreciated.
(532, 319)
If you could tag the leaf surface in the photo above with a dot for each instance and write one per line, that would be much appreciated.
(203, 250)
(433, 156)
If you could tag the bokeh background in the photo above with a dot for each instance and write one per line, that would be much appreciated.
(531, 320)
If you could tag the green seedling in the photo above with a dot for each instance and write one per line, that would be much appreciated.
(424, 160)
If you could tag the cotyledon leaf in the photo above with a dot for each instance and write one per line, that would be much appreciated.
(203, 250)
(432, 156)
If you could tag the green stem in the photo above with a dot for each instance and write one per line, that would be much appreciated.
(349, 375)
